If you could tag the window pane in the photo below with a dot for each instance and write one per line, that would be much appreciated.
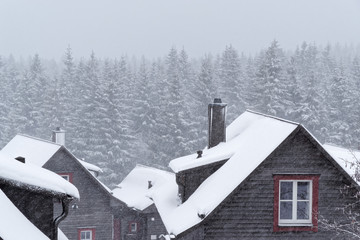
(87, 235)
(82, 235)
(285, 210)
(303, 191)
(286, 190)
(303, 210)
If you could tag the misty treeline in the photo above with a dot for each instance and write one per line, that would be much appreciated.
(120, 112)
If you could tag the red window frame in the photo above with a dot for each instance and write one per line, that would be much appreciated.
(86, 229)
(315, 203)
(137, 227)
(69, 175)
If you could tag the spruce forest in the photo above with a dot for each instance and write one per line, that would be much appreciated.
(127, 111)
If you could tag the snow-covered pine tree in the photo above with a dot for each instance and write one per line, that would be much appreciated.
(339, 104)
(231, 87)
(271, 82)
(354, 101)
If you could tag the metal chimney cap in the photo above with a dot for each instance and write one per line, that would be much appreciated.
(218, 102)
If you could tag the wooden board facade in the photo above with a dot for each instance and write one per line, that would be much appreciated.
(93, 210)
(36, 206)
(248, 212)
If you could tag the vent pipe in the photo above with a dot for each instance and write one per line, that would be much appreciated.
(217, 128)
(20, 159)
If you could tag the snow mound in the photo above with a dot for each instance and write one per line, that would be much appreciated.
(32, 175)
(134, 190)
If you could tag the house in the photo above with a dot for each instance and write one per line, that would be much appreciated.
(261, 178)
(90, 218)
(27, 197)
(140, 219)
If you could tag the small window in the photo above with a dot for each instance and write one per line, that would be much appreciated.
(86, 234)
(296, 202)
(153, 237)
(133, 227)
(66, 176)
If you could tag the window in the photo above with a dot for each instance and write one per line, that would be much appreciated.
(86, 234)
(153, 237)
(295, 202)
(66, 176)
(133, 227)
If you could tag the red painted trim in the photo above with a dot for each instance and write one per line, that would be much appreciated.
(315, 203)
(137, 227)
(117, 229)
(67, 174)
(86, 229)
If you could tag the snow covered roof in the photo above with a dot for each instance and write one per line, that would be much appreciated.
(30, 175)
(250, 127)
(12, 220)
(251, 138)
(34, 150)
(90, 167)
(134, 189)
(37, 151)
(348, 159)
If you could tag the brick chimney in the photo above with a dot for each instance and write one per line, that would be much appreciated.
(217, 128)
(58, 136)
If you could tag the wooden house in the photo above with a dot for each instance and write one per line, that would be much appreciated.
(262, 178)
(140, 218)
(88, 219)
(27, 197)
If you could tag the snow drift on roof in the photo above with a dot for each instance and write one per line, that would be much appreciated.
(90, 166)
(134, 191)
(35, 151)
(348, 159)
(248, 121)
(32, 175)
(250, 140)
(14, 225)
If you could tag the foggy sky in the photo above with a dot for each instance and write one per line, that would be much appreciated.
(112, 28)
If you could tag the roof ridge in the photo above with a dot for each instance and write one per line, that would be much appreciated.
(150, 167)
(38, 139)
(271, 116)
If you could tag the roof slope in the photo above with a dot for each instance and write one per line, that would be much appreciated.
(245, 128)
(134, 189)
(32, 176)
(251, 138)
(34, 150)
(12, 220)
(348, 159)
(37, 151)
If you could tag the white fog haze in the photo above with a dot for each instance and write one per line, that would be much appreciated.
(179, 119)
(150, 28)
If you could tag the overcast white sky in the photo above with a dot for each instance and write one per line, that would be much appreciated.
(150, 27)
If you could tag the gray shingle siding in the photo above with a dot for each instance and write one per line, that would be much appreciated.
(247, 213)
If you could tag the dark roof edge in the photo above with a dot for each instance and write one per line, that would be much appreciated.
(34, 188)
